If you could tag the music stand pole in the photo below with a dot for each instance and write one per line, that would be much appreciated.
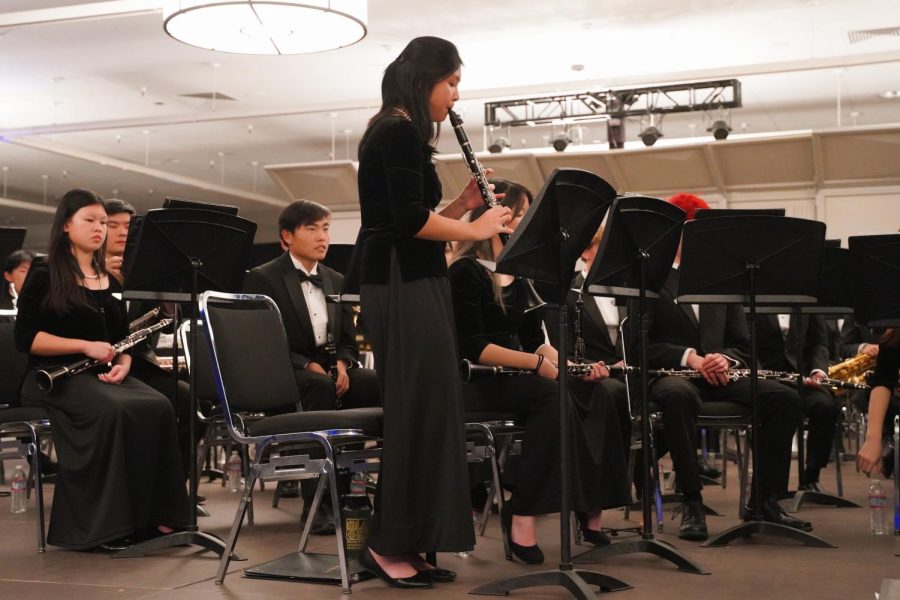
(668, 229)
(577, 582)
(757, 524)
(168, 241)
(192, 536)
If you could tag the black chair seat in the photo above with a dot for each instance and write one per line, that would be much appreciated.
(368, 420)
(23, 413)
(724, 411)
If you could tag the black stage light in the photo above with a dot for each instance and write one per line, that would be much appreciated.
(498, 145)
(720, 130)
(561, 141)
(650, 135)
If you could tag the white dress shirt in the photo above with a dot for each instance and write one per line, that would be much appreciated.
(315, 303)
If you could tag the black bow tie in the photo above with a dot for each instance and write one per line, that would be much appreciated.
(316, 279)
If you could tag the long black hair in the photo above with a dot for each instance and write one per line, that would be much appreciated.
(408, 81)
(65, 293)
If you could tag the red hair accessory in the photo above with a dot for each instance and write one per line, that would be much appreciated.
(689, 203)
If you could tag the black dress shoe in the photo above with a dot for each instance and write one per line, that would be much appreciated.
(592, 536)
(532, 555)
(693, 521)
(438, 575)
(418, 581)
(772, 512)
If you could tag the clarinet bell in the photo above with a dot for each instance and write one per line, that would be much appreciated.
(533, 300)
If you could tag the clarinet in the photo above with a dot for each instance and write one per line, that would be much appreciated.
(472, 372)
(472, 162)
(46, 378)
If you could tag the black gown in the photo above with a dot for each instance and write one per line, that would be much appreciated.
(120, 468)
(422, 499)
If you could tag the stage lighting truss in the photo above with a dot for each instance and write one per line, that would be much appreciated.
(571, 108)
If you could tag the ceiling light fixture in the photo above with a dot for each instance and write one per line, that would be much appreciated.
(266, 26)
(498, 145)
(650, 135)
(720, 130)
(890, 94)
(561, 141)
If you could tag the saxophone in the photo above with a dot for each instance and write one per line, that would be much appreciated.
(853, 370)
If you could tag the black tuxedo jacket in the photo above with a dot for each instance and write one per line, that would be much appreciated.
(673, 328)
(779, 352)
(598, 345)
(278, 280)
(852, 335)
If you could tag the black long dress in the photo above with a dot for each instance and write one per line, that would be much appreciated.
(422, 501)
(119, 465)
(598, 450)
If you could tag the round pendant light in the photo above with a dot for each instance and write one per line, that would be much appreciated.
(266, 26)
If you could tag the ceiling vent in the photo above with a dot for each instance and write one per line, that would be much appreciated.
(867, 34)
(208, 96)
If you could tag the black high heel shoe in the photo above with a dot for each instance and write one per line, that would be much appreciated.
(532, 555)
(420, 580)
(592, 536)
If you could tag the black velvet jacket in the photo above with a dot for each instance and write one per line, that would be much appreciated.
(398, 189)
(82, 323)
(480, 320)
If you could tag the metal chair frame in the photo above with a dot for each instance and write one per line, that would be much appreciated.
(34, 431)
(290, 467)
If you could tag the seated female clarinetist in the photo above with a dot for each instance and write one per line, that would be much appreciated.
(120, 475)
(494, 329)
(883, 406)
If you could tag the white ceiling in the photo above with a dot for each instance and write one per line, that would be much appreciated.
(74, 94)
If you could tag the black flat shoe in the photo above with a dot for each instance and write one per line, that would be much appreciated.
(532, 555)
(438, 575)
(591, 536)
(420, 580)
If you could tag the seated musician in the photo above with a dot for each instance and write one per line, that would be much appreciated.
(600, 321)
(777, 348)
(120, 473)
(15, 269)
(321, 334)
(494, 329)
(883, 407)
(145, 365)
(713, 339)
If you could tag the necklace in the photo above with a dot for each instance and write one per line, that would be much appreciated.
(402, 113)
(92, 277)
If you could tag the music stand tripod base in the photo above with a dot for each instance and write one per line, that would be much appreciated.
(207, 541)
(823, 498)
(765, 527)
(578, 583)
(653, 546)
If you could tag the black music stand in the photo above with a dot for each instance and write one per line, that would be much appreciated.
(177, 254)
(634, 259)
(876, 263)
(752, 260)
(835, 299)
(557, 227)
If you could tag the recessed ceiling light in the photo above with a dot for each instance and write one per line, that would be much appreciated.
(890, 94)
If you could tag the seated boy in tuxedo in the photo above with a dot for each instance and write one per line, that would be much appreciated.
(321, 334)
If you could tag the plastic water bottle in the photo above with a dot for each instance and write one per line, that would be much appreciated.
(234, 472)
(17, 496)
(877, 507)
(358, 484)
